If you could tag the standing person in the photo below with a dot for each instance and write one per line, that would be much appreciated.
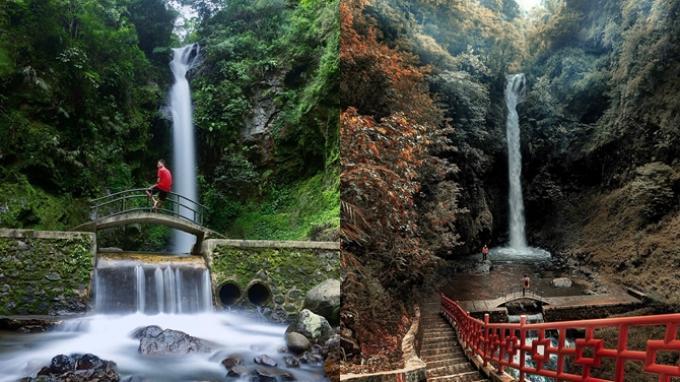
(163, 185)
(485, 252)
(525, 285)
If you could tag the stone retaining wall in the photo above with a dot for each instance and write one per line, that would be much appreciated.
(571, 313)
(45, 272)
(288, 269)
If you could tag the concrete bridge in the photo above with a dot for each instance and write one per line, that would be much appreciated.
(134, 207)
(560, 307)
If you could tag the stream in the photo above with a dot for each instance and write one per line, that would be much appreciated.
(129, 294)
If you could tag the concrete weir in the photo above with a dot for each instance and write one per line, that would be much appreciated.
(52, 272)
(276, 274)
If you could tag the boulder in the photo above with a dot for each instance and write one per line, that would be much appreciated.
(271, 374)
(332, 346)
(231, 361)
(291, 361)
(60, 364)
(146, 331)
(170, 342)
(237, 371)
(265, 360)
(561, 282)
(297, 343)
(324, 300)
(316, 328)
(77, 368)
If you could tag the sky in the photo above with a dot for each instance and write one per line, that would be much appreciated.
(528, 4)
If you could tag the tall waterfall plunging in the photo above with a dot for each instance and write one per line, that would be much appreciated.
(514, 92)
(517, 248)
(184, 149)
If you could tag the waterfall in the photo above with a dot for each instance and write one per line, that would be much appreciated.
(184, 149)
(124, 286)
(514, 92)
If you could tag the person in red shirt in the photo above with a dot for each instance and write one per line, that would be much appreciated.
(163, 185)
(525, 284)
(485, 252)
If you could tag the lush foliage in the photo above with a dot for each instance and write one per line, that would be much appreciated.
(78, 103)
(81, 111)
(390, 145)
(267, 115)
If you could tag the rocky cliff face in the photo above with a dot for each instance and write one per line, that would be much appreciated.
(602, 172)
(600, 135)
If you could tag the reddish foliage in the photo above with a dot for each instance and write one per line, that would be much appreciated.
(390, 132)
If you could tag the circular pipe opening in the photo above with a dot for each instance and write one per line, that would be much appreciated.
(258, 293)
(229, 293)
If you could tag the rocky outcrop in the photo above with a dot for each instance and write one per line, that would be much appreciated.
(168, 342)
(324, 300)
(316, 328)
(77, 368)
(297, 343)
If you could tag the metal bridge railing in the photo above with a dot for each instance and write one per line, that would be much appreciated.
(542, 349)
(136, 200)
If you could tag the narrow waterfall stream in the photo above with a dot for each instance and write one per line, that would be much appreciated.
(173, 293)
(513, 96)
(183, 146)
(517, 247)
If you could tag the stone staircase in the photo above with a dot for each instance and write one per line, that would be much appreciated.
(441, 352)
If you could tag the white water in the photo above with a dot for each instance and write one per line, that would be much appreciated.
(514, 92)
(152, 288)
(108, 337)
(184, 149)
(517, 248)
(144, 289)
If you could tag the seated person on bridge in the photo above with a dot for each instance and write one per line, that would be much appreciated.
(163, 185)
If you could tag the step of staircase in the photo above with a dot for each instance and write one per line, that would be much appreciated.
(441, 351)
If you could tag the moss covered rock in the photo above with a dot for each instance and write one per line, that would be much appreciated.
(45, 272)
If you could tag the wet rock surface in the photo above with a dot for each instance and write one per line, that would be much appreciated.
(168, 342)
(265, 360)
(316, 328)
(147, 331)
(77, 368)
(297, 343)
(271, 374)
(324, 300)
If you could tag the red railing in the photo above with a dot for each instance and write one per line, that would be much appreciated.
(528, 348)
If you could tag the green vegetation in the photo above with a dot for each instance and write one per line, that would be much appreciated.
(267, 115)
(78, 111)
(81, 102)
(308, 209)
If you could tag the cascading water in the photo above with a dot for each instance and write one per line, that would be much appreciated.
(154, 288)
(514, 92)
(173, 293)
(517, 246)
(184, 149)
